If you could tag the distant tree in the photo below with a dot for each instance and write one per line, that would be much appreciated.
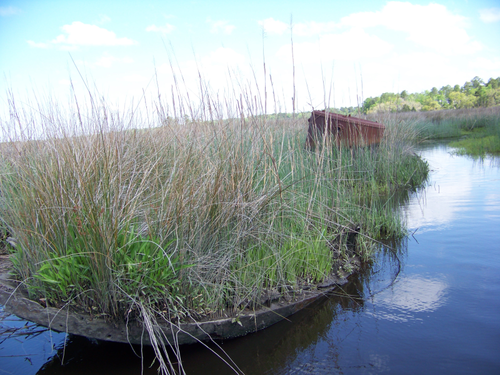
(387, 96)
(467, 87)
(477, 82)
(481, 95)
(473, 93)
(445, 90)
(494, 83)
(442, 100)
(406, 108)
(429, 104)
(462, 100)
(368, 104)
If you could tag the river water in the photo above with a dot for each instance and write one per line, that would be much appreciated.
(429, 306)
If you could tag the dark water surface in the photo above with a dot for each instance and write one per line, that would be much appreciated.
(431, 307)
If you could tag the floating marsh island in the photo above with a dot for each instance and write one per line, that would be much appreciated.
(191, 219)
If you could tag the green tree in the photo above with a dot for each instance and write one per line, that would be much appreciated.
(445, 90)
(477, 82)
(387, 97)
(429, 104)
(481, 96)
(467, 87)
(368, 104)
(493, 83)
(462, 100)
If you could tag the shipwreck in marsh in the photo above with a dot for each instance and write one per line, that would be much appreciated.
(345, 130)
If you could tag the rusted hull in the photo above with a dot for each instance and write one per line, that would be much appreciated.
(346, 130)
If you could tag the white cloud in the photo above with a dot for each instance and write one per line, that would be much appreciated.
(69, 47)
(490, 15)
(313, 28)
(165, 29)
(272, 26)
(348, 46)
(220, 26)
(214, 69)
(107, 60)
(414, 71)
(38, 45)
(9, 11)
(81, 34)
(432, 25)
(486, 67)
(223, 56)
(416, 61)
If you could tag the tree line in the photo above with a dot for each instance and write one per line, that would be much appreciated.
(474, 93)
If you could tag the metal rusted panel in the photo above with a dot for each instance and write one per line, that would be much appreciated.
(347, 130)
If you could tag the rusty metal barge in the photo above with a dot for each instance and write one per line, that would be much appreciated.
(345, 130)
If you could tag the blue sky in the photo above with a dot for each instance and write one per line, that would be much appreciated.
(344, 51)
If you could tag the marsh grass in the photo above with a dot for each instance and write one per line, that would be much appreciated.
(448, 124)
(478, 146)
(141, 214)
(480, 141)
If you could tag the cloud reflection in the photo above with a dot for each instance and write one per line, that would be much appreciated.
(436, 206)
(408, 296)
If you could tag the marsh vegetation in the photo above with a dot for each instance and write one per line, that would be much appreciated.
(181, 212)
(474, 131)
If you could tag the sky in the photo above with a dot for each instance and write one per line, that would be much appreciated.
(343, 51)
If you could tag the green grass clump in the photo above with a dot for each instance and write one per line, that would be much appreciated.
(478, 146)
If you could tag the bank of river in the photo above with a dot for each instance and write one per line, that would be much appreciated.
(429, 307)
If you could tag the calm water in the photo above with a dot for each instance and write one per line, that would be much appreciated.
(431, 307)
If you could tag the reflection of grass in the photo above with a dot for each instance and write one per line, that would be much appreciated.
(12, 327)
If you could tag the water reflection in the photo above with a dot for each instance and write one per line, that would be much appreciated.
(455, 187)
(409, 295)
(447, 196)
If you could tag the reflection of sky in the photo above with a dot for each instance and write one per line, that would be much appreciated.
(450, 190)
(492, 206)
(410, 295)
